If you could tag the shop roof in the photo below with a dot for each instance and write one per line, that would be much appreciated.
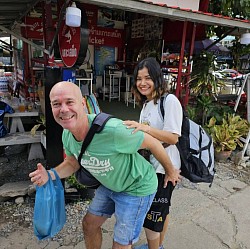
(174, 13)
(12, 11)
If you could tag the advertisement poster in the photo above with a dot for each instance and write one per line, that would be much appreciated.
(110, 18)
(103, 56)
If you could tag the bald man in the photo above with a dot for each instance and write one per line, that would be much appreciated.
(128, 181)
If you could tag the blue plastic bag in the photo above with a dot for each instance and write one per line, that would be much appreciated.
(49, 211)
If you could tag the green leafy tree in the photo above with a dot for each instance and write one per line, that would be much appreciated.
(236, 9)
(233, 8)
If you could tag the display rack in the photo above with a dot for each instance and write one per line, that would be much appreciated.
(112, 84)
(85, 83)
(129, 97)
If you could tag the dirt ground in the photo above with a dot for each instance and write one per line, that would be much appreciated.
(16, 219)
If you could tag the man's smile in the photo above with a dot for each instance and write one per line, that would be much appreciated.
(66, 117)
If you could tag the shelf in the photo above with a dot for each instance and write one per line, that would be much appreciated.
(38, 68)
(42, 62)
(38, 60)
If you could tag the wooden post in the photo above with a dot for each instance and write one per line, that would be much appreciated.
(54, 147)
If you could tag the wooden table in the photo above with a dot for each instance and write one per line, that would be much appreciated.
(18, 135)
(17, 124)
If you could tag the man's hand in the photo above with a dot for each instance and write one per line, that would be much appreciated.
(40, 176)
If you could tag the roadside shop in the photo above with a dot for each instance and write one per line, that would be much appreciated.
(101, 53)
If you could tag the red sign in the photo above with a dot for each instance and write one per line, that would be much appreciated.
(69, 40)
(91, 12)
(34, 27)
(100, 36)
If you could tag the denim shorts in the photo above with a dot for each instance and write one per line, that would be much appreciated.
(129, 211)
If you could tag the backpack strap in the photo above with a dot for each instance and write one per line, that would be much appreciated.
(97, 126)
(100, 120)
(161, 106)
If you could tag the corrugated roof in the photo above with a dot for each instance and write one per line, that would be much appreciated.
(173, 12)
(12, 11)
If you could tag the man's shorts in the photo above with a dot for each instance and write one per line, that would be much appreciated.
(130, 212)
(159, 209)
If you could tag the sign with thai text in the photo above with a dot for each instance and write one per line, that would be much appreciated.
(33, 27)
(69, 39)
(105, 36)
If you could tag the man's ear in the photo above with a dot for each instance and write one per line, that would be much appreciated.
(84, 101)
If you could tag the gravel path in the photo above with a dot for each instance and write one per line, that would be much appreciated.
(17, 167)
(16, 219)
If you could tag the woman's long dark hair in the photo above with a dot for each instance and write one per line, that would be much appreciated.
(155, 73)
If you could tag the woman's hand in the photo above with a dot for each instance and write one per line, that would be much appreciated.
(136, 126)
(173, 176)
(40, 176)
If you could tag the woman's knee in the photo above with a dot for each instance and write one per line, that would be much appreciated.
(151, 235)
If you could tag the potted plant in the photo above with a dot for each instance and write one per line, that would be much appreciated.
(226, 135)
(204, 85)
(85, 193)
(203, 81)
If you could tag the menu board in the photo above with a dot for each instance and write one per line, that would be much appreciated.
(137, 29)
(153, 28)
(149, 27)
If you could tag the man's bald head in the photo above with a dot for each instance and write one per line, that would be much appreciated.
(66, 87)
(68, 107)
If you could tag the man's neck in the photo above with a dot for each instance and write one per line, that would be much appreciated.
(82, 130)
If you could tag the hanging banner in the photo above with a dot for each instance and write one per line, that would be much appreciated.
(106, 26)
(105, 36)
(33, 27)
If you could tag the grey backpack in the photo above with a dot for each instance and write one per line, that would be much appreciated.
(196, 149)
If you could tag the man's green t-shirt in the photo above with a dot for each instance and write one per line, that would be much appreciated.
(113, 159)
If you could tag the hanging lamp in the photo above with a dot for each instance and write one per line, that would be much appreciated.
(73, 16)
(245, 38)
